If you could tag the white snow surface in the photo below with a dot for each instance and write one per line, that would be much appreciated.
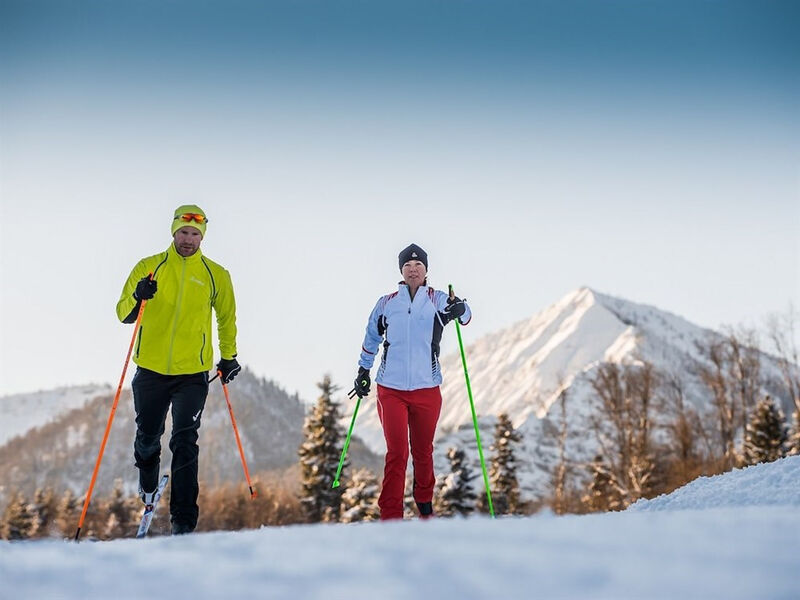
(19, 413)
(760, 485)
(731, 536)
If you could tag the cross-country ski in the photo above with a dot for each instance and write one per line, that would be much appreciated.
(150, 508)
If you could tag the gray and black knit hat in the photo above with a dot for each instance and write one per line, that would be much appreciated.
(413, 252)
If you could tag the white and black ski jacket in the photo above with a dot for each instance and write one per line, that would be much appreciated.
(411, 333)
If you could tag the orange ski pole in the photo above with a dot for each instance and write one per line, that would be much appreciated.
(236, 433)
(110, 419)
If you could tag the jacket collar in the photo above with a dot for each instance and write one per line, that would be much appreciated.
(403, 289)
(196, 257)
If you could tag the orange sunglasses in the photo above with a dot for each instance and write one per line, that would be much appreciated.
(189, 217)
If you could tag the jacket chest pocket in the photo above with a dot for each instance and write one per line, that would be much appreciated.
(426, 312)
(397, 321)
(196, 293)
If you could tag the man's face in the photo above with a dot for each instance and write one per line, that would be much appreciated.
(187, 240)
(414, 273)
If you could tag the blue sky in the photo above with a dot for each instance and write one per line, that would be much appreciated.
(646, 149)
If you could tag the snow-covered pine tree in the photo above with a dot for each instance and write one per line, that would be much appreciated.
(18, 520)
(765, 437)
(43, 508)
(360, 498)
(66, 513)
(793, 442)
(503, 471)
(319, 457)
(122, 513)
(454, 493)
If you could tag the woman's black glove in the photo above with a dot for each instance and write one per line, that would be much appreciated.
(229, 367)
(361, 384)
(455, 309)
(145, 289)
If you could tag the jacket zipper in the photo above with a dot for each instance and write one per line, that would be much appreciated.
(408, 340)
(177, 315)
(202, 348)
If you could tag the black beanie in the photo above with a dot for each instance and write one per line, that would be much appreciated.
(413, 252)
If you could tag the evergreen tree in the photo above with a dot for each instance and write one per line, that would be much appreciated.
(360, 498)
(66, 514)
(18, 521)
(503, 470)
(319, 457)
(765, 437)
(122, 514)
(793, 442)
(44, 511)
(603, 494)
(454, 494)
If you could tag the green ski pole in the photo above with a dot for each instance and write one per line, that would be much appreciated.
(346, 444)
(474, 416)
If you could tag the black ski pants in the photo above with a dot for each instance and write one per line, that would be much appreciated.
(153, 394)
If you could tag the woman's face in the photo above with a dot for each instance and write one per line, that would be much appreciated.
(414, 273)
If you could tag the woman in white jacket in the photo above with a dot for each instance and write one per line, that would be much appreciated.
(409, 322)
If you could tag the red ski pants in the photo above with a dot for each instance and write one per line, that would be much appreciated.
(407, 415)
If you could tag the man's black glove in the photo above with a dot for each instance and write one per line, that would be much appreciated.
(229, 368)
(361, 384)
(455, 309)
(145, 289)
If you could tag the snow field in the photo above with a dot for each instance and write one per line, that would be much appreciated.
(743, 550)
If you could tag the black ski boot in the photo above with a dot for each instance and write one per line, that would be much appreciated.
(181, 528)
(425, 510)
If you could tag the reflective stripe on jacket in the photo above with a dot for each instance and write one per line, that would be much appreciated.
(175, 336)
(411, 333)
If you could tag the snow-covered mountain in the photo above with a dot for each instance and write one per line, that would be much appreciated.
(21, 412)
(732, 536)
(522, 369)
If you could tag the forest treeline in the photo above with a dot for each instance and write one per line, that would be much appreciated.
(650, 440)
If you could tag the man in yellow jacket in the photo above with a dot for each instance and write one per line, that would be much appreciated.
(174, 353)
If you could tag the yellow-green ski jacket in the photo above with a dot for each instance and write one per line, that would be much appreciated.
(175, 335)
